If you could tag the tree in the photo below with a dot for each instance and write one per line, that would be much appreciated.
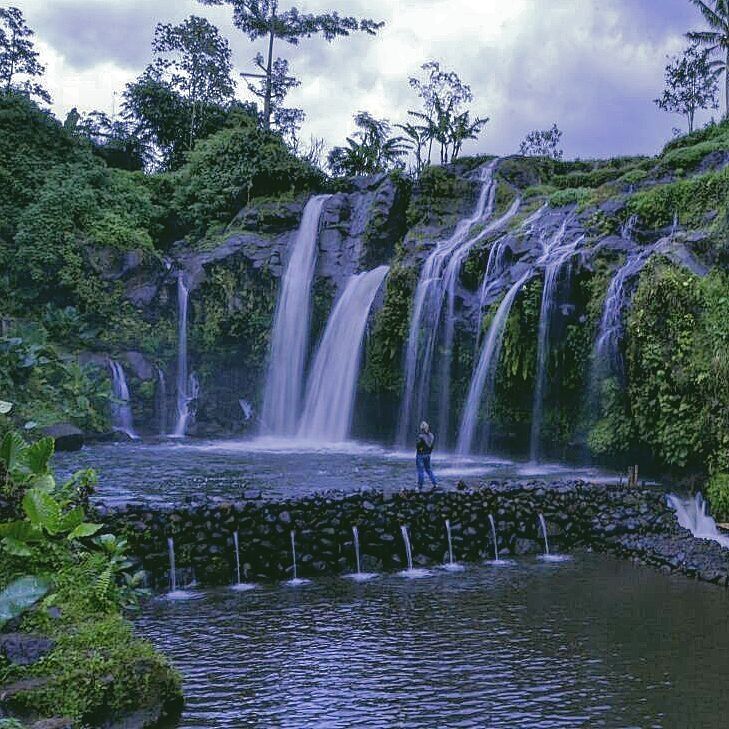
(18, 56)
(287, 121)
(543, 143)
(187, 89)
(443, 119)
(691, 84)
(369, 150)
(264, 19)
(113, 141)
(716, 40)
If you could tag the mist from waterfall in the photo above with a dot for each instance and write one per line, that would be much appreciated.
(332, 383)
(427, 309)
(121, 409)
(290, 334)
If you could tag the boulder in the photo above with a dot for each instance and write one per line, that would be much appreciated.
(24, 649)
(66, 436)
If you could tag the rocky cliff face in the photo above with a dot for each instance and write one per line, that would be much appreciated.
(609, 213)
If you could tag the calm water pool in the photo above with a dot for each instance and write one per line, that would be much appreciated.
(589, 643)
(168, 471)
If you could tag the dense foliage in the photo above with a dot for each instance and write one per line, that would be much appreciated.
(69, 579)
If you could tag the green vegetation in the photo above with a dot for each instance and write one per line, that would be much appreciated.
(678, 367)
(382, 370)
(68, 579)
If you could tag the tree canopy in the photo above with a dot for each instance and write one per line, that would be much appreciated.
(19, 64)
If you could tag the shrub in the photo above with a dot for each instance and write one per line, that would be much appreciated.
(717, 492)
(225, 171)
(571, 196)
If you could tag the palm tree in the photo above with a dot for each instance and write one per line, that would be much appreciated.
(716, 39)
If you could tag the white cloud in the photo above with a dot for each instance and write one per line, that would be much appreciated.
(593, 66)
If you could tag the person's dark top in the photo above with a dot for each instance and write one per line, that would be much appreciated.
(424, 444)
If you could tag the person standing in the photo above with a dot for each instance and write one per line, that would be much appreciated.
(423, 449)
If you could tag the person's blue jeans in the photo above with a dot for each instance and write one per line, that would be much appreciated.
(422, 463)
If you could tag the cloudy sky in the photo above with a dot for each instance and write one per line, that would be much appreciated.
(592, 66)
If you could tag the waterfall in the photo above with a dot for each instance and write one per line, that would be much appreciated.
(450, 282)
(494, 537)
(239, 586)
(162, 401)
(543, 526)
(186, 384)
(290, 334)
(295, 580)
(332, 383)
(555, 256)
(426, 311)
(484, 376)
(691, 515)
(606, 357)
(121, 409)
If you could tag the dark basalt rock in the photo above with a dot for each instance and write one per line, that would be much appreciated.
(24, 649)
(67, 437)
(636, 524)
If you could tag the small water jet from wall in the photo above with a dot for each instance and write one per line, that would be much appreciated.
(548, 556)
(239, 585)
(451, 565)
(175, 593)
(411, 571)
(359, 576)
(495, 539)
(295, 580)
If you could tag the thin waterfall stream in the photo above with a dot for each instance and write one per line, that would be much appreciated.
(239, 585)
(359, 575)
(121, 408)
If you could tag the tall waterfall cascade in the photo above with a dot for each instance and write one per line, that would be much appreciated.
(121, 409)
(691, 515)
(187, 384)
(332, 382)
(557, 253)
(483, 381)
(290, 335)
(428, 304)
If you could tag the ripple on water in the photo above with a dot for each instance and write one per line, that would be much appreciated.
(595, 643)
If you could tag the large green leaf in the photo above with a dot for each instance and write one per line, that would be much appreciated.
(15, 547)
(12, 451)
(21, 594)
(39, 454)
(86, 529)
(72, 519)
(42, 509)
(21, 530)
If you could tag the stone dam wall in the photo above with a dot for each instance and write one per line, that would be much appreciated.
(633, 524)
